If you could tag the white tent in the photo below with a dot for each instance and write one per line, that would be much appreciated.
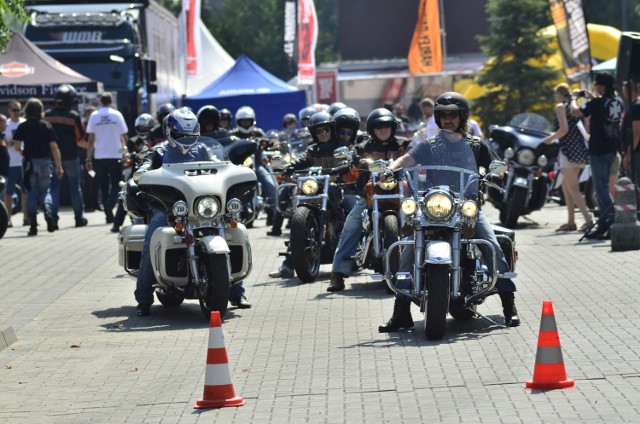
(213, 59)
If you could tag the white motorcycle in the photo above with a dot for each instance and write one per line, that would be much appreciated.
(204, 248)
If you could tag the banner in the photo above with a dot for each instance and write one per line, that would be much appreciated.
(307, 38)
(290, 31)
(326, 86)
(425, 52)
(191, 12)
(573, 38)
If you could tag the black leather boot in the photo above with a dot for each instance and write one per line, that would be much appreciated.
(400, 319)
(33, 221)
(49, 218)
(336, 283)
(511, 318)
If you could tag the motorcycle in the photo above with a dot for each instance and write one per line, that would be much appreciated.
(203, 249)
(380, 221)
(449, 273)
(4, 214)
(319, 216)
(526, 186)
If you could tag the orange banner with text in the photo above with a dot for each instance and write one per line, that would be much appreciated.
(425, 52)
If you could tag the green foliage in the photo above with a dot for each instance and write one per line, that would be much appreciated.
(12, 12)
(516, 79)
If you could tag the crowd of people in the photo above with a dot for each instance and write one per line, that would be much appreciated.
(42, 146)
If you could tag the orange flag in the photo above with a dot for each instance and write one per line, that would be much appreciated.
(425, 52)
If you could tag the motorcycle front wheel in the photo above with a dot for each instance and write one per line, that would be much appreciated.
(214, 292)
(435, 313)
(391, 234)
(513, 208)
(305, 244)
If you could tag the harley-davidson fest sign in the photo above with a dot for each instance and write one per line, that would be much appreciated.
(16, 70)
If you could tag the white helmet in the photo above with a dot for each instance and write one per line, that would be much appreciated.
(181, 128)
(245, 112)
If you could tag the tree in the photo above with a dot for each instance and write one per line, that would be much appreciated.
(516, 77)
(11, 13)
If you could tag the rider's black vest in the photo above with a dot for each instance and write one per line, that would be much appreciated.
(441, 153)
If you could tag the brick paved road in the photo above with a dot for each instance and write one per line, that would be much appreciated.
(304, 355)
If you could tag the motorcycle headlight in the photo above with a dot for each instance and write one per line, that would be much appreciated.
(408, 207)
(248, 162)
(469, 208)
(234, 206)
(542, 160)
(309, 186)
(207, 207)
(389, 185)
(526, 157)
(180, 208)
(508, 153)
(438, 205)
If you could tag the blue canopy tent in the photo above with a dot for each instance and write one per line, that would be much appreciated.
(247, 84)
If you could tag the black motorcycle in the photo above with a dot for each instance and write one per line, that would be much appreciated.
(526, 184)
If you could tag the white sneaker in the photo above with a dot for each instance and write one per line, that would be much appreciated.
(282, 272)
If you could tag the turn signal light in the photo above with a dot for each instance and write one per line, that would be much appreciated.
(233, 224)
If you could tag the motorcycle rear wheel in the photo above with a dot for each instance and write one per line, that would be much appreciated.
(214, 292)
(513, 209)
(435, 313)
(305, 246)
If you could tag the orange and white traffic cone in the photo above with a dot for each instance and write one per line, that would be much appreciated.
(218, 387)
(549, 372)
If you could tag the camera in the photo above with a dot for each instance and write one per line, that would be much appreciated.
(582, 93)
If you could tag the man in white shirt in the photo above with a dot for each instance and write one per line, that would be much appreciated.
(107, 139)
(14, 110)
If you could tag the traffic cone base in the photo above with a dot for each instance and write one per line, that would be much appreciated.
(549, 372)
(218, 386)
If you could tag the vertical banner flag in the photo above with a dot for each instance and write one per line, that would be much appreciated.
(307, 38)
(326, 86)
(573, 38)
(290, 31)
(191, 10)
(425, 52)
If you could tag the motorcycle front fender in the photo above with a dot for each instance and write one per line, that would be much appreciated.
(215, 245)
(521, 182)
(438, 253)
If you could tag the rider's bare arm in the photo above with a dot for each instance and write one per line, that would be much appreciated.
(404, 161)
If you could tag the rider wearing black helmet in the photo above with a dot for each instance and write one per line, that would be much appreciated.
(335, 106)
(68, 127)
(305, 114)
(225, 119)
(209, 120)
(157, 134)
(452, 116)
(347, 125)
(381, 144)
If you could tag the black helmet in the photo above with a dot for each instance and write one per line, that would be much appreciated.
(288, 119)
(209, 114)
(304, 114)
(335, 106)
(347, 118)
(321, 119)
(143, 125)
(163, 110)
(452, 101)
(225, 114)
(380, 116)
(65, 95)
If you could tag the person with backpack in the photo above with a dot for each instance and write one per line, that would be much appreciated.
(604, 110)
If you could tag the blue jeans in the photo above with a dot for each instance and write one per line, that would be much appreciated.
(269, 185)
(71, 169)
(14, 177)
(483, 231)
(39, 179)
(146, 278)
(351, 235)
(600, 171)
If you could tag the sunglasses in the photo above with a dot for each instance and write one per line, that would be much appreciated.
(346, 132)
(16, 110)
(449, 115)
(381, 126)
(323, 130)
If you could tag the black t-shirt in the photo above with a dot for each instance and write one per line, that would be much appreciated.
(68, 127)
(36, 134)
(4, 160)
(632, 115)
(605, 113)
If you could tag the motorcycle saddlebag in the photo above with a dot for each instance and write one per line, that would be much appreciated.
(130, 243)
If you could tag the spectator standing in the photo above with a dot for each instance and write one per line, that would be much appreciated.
(428, 127)
(107, 139)
(604, 109)
(68, 127)
(632, 126)
(4, 149)
(414, 112)
(89, 185)
(15, 163)
(37, 139)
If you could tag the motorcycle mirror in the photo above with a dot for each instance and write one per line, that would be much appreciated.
(498, 167)
(341, 153)
(377, 166)
(278, 162)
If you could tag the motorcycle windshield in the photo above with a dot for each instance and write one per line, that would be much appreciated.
(448, 165)
(531, 122)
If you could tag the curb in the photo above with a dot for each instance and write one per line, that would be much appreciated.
(7, 337)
